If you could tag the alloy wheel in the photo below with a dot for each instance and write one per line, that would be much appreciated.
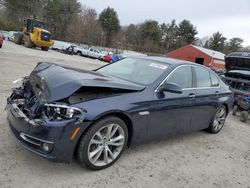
(106, 145)
(219, 119)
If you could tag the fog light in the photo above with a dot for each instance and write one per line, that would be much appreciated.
(46, 147)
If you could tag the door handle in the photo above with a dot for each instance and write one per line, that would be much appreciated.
(192, 95)
(217, 92)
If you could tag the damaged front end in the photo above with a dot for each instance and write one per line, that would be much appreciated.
(46, 110)
(43, 128)
(29, 103)
(51, 91)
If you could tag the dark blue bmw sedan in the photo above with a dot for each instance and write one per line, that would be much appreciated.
(61, 111)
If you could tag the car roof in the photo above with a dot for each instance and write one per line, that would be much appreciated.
(245, 55)
(166, 60)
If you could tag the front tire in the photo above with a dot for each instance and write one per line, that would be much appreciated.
(45, 48)
(102, 145)
(218, 120)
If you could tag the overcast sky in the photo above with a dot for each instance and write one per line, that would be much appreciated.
(230, 17)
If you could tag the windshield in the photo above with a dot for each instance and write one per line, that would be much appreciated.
(38, 24)
(135, 70)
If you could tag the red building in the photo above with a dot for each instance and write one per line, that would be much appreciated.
(203, 56)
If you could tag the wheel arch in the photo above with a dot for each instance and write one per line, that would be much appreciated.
(124, 117)
(227, 107)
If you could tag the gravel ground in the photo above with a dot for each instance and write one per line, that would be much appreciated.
(194, 160)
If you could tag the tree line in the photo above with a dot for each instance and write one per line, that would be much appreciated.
(70, 21)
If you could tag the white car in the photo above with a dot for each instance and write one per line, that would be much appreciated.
(91, 52)
(80, 51)
(103, 54)
(60, 45)
(5, 34)
(11, 35)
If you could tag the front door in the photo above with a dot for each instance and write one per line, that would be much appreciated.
(172, 113)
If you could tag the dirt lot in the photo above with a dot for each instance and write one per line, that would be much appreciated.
(195, 160)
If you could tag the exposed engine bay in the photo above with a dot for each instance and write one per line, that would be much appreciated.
(26, 100)
(27, 105)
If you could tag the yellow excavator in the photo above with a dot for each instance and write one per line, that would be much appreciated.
(33, 34)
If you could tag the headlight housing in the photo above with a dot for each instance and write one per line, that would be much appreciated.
(19, 82)
(59, 112)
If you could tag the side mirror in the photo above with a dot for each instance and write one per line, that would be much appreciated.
(171, 87)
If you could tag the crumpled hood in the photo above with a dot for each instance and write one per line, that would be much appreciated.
(52, 82)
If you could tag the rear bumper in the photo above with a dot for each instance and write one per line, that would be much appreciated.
(32, 135)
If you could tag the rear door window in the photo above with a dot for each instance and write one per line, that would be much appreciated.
(202, 77)
(214, 80)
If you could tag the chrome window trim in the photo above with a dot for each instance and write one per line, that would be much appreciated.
(157, 89)
(185, 89)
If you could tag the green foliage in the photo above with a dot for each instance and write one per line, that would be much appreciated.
(216, 42)
(59, 14)
(154, 37)
(149, 36)
(17, 11)
(234, 45)
(110, 23)
(186, 32)
(8, 26)
(67, 20)
(150, 31)
(85, 28)
(131, 34)
(169, 35)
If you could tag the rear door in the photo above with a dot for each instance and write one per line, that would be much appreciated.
(207, 91)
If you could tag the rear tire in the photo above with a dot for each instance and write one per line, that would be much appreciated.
(18, 37)
(218, 120)
(28, 43)
(244, 116)
(79, 53)
(102, 145)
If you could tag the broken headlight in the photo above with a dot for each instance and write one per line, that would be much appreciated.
(60, 112)
(18, 82)
(21, 82)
